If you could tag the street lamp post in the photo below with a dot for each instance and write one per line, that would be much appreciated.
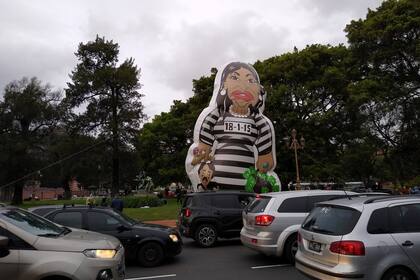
(295, 145)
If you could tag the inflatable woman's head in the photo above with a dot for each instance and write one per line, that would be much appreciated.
(238, 85)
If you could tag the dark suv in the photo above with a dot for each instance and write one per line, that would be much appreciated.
(205, 216)
(145, 243)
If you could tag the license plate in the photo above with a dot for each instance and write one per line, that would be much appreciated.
(314, 246)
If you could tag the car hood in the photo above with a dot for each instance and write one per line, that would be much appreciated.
(153, 227)
(77, 241)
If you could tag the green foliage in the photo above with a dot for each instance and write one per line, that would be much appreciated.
(134, 201)
(162, 144)
(110, 94)
(28, 113)
(386, 49)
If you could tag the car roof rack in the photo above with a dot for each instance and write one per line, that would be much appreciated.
(387, 198)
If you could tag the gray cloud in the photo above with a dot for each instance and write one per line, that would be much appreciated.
(172, 41)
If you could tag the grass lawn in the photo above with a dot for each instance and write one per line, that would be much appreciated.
(34, 203)
(168, 211)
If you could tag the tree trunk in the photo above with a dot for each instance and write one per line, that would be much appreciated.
(18, 193)
(66, 187)
(115, 148)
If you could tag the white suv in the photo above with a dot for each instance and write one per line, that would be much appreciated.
(32, 247)
(271, 221)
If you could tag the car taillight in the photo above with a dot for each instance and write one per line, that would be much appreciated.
(263, 220)
(353, 248)
(299, 238)
(187, 212)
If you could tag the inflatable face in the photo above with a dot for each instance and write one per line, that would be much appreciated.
(232, 133)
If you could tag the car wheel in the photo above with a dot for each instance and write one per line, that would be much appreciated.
(291, 248)
(150, 254)
(206, 235)
(398, 274)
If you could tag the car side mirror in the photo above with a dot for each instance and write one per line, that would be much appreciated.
(4, 242)
(122, 228)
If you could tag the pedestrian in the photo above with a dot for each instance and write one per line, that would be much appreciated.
(117, 204)
(178, 194)
(90, 201)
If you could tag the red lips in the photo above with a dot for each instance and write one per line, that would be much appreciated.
(244, 95)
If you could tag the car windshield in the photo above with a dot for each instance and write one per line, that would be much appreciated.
(331, 220)
(124, 217)
(32, 223)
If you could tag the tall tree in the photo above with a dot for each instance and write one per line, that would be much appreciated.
(307, 90)
(386, 49)
(110, 94)
(28, 113)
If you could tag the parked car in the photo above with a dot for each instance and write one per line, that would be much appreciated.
(271, 222)
(365, 238)
(147, 244)
(34, 248)
(415, 190)
(206, 216)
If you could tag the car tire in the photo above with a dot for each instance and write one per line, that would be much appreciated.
(290, 249)
(206, 235)
(398, 274)
(150, 254)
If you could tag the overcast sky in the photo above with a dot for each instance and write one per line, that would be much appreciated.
(172, 41)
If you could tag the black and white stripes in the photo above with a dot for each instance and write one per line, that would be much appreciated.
(235, 139)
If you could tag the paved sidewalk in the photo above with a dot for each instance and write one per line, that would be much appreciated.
(168, 223)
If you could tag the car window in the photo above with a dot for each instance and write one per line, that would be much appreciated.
(378, 222)
(294, 205)
(42, 211)
(31, 223)
(245, 200)
(70, 219)
(188, 201)
(14, 241)
(405, 218)
(331, 220)
(225, 201)
(101, 221)
(259, 204)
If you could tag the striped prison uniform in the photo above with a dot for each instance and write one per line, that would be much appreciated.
(236, 138)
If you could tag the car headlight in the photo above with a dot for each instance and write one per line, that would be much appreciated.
(100, 254)
(173, 237)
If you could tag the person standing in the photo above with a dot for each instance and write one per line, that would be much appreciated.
(117, 204)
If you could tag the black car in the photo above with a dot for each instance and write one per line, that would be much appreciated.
(205, 216)
(145, 243)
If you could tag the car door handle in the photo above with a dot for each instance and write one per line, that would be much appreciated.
(407, 243)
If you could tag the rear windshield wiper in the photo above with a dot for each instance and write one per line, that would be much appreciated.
(320, 230)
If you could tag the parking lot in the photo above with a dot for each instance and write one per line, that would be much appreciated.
(228, 260)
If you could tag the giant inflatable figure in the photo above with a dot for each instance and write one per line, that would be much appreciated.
(232, 135)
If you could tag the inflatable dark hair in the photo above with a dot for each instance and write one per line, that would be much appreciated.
(223, 102)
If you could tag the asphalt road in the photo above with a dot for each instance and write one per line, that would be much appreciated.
(228, 260)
